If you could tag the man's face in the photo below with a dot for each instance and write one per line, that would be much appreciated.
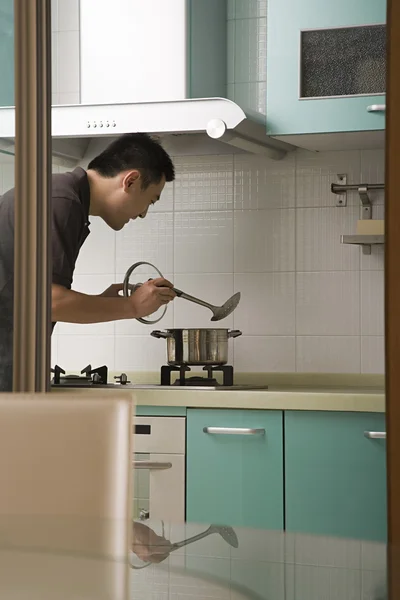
(131, 200)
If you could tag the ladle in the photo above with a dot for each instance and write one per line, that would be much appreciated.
(219, 312)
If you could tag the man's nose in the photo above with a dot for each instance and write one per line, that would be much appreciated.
(143, 214)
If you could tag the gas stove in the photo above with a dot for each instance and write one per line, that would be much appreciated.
(88, 377)
(99, 378)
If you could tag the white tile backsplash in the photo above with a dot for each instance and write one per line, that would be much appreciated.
(316, 171)
(203, 242)
(372, 354)
(264, 240)
(318, 235)
(77, 351)
(261, 353)
(203, 184)
(140, 353)
(328, 354)
(373, 171)
(267, 306)
(264, 183)
(328, 303)
(372, 303)
(150, 240)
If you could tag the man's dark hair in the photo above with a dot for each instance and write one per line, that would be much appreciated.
(135, 151)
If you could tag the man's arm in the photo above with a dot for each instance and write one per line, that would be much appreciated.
(69, 306)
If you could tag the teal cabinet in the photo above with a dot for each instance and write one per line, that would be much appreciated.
(7, 52)
(335, 477)
(326, 65)
(234, 478)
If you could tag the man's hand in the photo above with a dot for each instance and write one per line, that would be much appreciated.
(147, 298)
(150, 296)
(149, 546)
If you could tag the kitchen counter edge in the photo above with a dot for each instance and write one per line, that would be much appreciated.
(347, 401)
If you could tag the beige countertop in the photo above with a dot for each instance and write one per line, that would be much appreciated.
(275, 398)
(286, 391)
(271, 399)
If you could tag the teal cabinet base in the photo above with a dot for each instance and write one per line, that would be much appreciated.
(335, 477)
(235, 479)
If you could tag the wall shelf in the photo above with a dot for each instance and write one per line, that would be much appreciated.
(366, 241)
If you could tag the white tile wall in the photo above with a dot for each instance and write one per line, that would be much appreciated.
(65, 52)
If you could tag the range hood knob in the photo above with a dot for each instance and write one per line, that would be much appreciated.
(216, 128)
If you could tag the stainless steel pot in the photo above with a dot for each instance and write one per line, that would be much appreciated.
(197, 346)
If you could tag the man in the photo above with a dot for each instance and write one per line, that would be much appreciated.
(120, 184)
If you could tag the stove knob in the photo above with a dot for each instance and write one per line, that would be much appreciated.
(122, 379)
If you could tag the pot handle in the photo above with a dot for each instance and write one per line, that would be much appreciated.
(161, 334)
(234, 333)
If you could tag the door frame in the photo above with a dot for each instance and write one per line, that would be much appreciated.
(392, 295)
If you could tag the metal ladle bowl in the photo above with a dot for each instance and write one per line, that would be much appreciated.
(219, 312)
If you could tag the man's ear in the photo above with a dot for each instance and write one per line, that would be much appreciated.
(130, 179)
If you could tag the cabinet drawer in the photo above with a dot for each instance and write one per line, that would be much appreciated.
(235, 468)
(335, 477)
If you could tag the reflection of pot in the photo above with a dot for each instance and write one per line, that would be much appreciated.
(197, 346)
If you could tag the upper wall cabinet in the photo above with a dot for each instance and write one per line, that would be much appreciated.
(326, 72)
(152, 50)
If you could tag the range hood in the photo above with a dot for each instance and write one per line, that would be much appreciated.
(157, 67)
(212, 124)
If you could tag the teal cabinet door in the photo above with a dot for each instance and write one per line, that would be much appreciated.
(325, 66)
(6, 52)
(235, 479)
(335, 477)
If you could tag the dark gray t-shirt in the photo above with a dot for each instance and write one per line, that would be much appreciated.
(70, 228)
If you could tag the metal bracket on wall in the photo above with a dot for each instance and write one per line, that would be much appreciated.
(362, 189)
(341, 180)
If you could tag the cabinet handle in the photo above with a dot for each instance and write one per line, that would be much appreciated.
(375, 435)
(376, 108)
(233, 431)
(153, 466)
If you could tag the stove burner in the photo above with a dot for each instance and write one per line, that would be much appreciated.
(209, 381)
(88, 376)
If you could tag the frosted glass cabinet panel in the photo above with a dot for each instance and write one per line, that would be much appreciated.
(326, 66)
